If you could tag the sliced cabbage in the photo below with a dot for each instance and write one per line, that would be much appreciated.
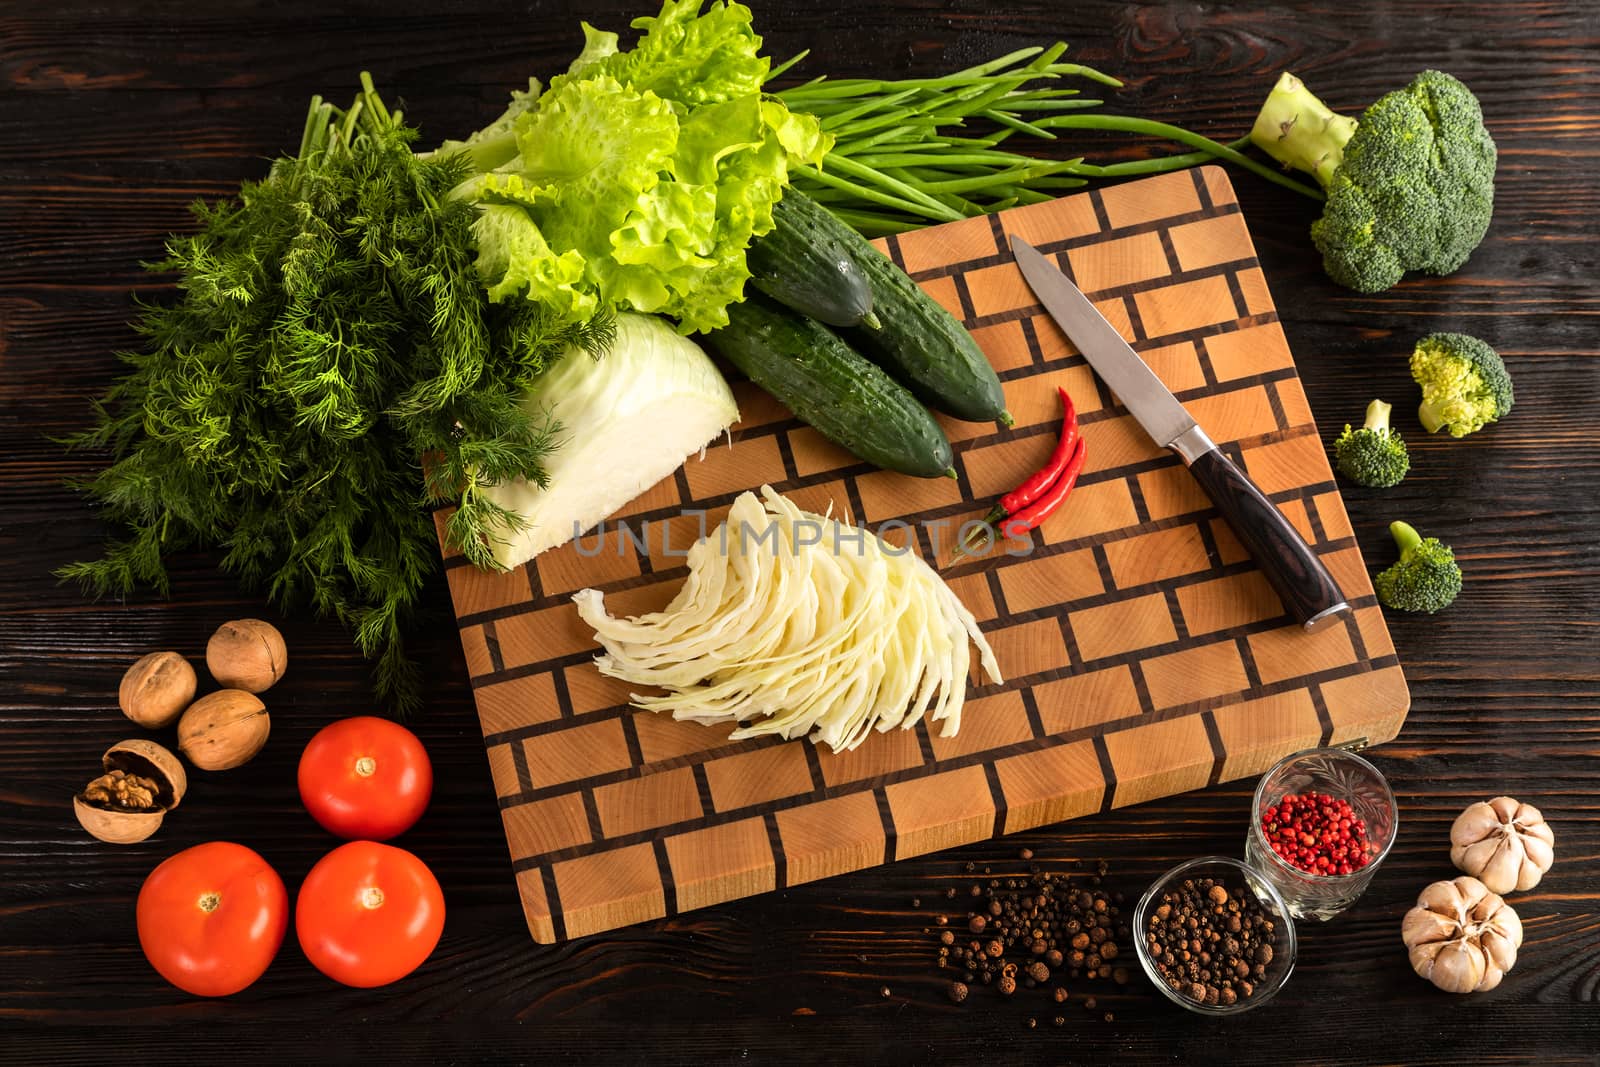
(628, 419)
(796, 624)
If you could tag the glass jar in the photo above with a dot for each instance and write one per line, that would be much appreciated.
(1229, 872)
(1344, 776)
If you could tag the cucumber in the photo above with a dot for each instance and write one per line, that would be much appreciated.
(921, 343)
(829, 385)
(802, 264)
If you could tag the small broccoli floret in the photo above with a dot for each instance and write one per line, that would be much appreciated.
(1465, 385)
(1425, 579)
(1410, 187)
(1374, 455)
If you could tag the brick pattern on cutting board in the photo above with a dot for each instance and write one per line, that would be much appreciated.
(1143, 653)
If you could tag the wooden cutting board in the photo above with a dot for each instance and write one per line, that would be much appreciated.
(1144, 655)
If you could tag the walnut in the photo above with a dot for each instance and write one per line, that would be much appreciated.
(156, 689)
(1462, 937)
(223, 730)
(142, 782)
(1504, 843)
(247, 654)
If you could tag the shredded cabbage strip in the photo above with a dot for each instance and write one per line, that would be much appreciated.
(788, 633)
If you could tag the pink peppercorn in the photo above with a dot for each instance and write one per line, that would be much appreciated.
(1317, 833)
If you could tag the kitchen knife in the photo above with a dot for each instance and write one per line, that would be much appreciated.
(1296, 574)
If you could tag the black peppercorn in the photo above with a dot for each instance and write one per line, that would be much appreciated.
(957, 992)
(1215, 937)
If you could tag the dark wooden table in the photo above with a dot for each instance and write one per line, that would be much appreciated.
(114, 116)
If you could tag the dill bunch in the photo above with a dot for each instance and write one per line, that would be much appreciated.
(330, 332)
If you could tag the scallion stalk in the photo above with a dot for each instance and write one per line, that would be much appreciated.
(898, 162)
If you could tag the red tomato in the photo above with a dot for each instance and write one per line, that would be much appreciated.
(365, 778)
(368, 914)
(211, 918)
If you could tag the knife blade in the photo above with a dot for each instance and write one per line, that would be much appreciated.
(1304, 585)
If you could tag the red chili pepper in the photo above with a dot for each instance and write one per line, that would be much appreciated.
(1041, 509)
(1034, 500)
(1045, 476)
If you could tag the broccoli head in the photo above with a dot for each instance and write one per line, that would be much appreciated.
(1410, 186)
(1374, 455)
(1425, 579)
(1465, 385)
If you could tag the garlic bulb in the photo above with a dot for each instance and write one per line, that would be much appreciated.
(1461, 936)
(1504, 843)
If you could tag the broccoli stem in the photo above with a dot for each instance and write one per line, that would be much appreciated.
(1406, 537)
(1299, 131)
(1378, 416)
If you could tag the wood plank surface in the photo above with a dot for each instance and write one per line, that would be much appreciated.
(114, 115)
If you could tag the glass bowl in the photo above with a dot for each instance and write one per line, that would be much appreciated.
(1232, 874)
(1339, 774)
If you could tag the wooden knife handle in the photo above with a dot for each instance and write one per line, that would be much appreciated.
(1297, 575)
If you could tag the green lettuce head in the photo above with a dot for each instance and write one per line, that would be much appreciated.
(640, 177)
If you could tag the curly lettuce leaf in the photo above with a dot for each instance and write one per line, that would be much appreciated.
(514, 257)
(597, 45)
(655, 167)
(496, 144)
(693, 58)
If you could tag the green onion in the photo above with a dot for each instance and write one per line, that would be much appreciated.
(898, 161)
(1182, 136)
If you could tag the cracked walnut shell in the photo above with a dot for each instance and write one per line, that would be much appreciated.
(1504, 843)
(1461, 936)
(142, 782)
